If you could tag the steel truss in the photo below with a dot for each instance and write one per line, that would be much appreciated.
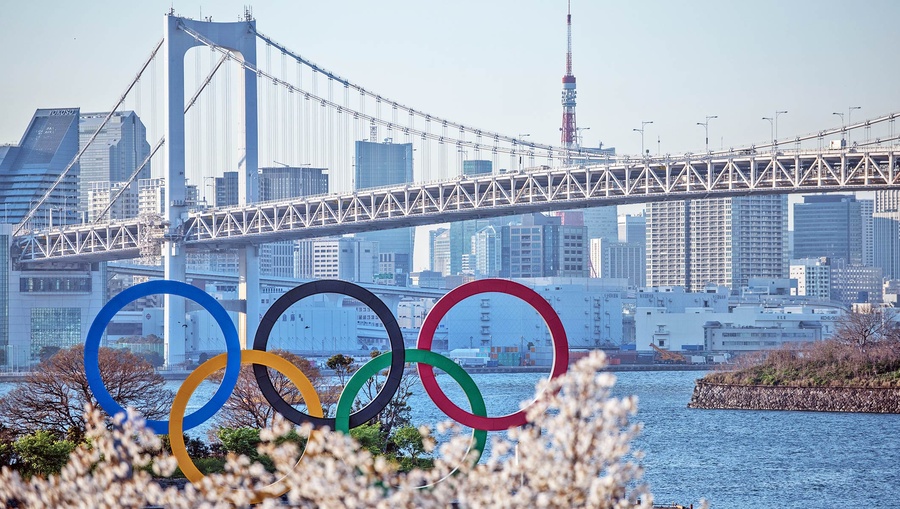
(479, 197)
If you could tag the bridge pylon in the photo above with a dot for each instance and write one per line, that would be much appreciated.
(239, 38)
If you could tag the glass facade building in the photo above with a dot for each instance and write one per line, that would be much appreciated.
(27, 170)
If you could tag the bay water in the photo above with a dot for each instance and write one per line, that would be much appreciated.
(732, 458)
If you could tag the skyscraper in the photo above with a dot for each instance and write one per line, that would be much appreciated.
(386, 164)
(828, 225)
(117, 151)
(723, 241)
(886, 233)
(282, 183)
(28, 170)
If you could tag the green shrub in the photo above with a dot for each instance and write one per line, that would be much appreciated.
(42, 454)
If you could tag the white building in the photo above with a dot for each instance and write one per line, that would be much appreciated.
(745, 328)
(100, 194)
(722, 241)
(813, 277)
(590, 310)
(347, 258)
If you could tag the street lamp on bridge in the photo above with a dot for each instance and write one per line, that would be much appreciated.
(850, 119)
(641, 130)
(706, 128)
(773, 128)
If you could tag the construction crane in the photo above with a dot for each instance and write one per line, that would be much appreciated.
(667, 356)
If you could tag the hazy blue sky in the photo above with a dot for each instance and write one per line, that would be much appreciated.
(498, 64)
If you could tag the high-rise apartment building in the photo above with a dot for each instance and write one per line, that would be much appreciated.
(724, 241)
(117, 151)
(29, 169)
(667, 243)
(386, 164)
(829, 225)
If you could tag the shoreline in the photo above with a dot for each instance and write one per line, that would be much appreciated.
(713, 396)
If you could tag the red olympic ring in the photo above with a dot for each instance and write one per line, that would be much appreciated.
(440, 309)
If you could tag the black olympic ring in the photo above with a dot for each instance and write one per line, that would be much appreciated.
(398, 351)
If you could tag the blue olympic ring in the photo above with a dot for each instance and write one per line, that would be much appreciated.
(232, 346)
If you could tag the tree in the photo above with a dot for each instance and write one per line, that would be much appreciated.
(342, 366)
(397, 413)
(42, 454)
(862, 329)
(247, 408)
(53, 397)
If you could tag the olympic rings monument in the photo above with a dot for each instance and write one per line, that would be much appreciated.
(236, 37)
(396, 359)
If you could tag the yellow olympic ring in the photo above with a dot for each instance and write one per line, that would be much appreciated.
(179, 406)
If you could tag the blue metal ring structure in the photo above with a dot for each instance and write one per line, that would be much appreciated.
(232, 346)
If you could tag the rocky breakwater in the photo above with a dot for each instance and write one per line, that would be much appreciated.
(816, 399)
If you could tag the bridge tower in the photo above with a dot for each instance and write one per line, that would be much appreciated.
(569, 132)
(240, 38)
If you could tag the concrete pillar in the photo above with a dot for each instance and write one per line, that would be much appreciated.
(239, 37)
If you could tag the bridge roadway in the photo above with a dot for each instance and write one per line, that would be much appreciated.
(624, 181)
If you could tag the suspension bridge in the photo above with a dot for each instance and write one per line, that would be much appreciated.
(290, 111)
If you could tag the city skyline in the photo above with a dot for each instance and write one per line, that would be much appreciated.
(520, 53)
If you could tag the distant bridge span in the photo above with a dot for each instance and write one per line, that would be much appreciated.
(542, 189)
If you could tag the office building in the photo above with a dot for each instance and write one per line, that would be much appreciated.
(886, 233)
(829, 225)
(488, 251)
(440, 250)
(117, 151)
(602, 223)
(813, 277)
(856, 284)
(542, 247)
(618, 260)
(346, 258)
(723, 241)
(102, 193)
(633, 229)
(283, 183)
(866, 210)
(29, 169)
(386, 164)
(474, 167)
(226, 188)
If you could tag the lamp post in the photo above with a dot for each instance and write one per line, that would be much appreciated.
(771, 130)
(519, 140)
(580, 136)
(838, 113)
(705, 125)
(776, 125)
(641, 130)
(850, 119)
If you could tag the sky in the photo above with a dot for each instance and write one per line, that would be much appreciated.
(498, 65)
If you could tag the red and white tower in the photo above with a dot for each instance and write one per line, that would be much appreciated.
(569, 134)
